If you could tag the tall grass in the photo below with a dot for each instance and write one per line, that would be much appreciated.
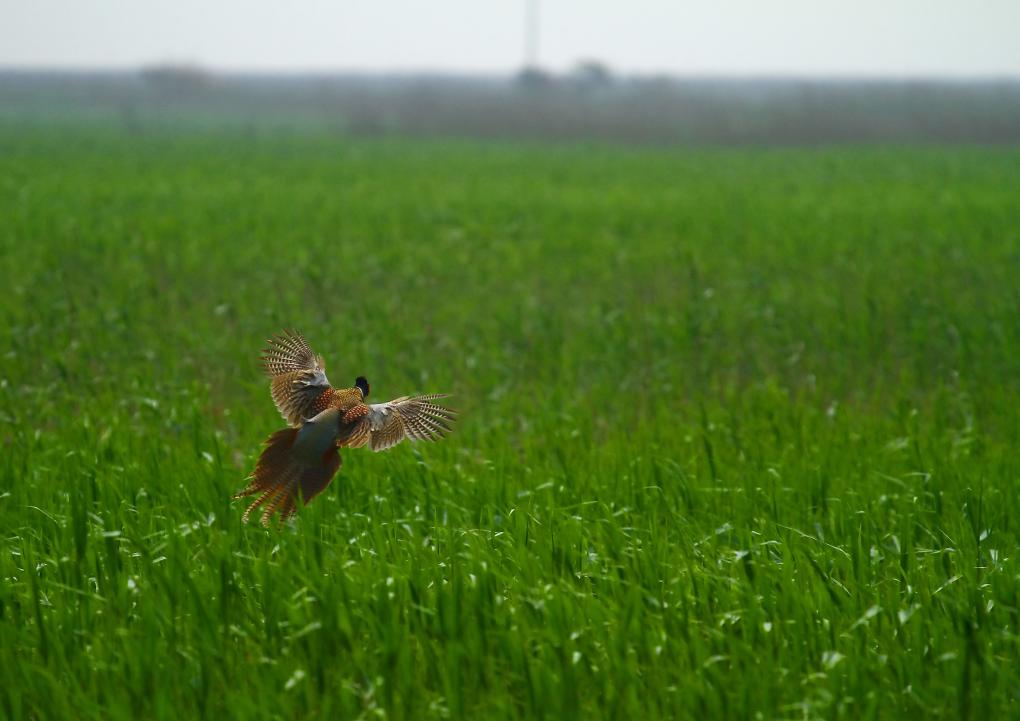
(738, 431)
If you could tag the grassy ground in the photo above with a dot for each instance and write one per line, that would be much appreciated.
(738, 432)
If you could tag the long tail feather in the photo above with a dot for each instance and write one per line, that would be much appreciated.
(280, 478)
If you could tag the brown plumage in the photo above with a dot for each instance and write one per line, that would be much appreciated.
(300, 461)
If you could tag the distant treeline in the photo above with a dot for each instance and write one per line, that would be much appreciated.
(590, 103)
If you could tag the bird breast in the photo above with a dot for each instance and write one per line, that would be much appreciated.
(316, 437)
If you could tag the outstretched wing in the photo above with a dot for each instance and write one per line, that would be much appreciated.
(418, 419)
(299, 385)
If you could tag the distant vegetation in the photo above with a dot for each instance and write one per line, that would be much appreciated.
(589, 102)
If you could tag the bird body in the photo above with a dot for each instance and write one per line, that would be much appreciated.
(301, 460)
(317, 436)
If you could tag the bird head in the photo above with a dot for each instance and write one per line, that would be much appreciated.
(362, 383)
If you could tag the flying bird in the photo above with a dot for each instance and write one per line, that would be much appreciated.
(299, 461)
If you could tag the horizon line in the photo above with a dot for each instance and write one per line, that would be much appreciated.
(214, 71)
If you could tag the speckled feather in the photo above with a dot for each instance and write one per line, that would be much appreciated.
(298, 385)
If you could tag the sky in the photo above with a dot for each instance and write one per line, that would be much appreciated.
(901, 38)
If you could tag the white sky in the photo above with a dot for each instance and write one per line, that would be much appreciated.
(758, 37)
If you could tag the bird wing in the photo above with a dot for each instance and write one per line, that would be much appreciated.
(416, 418)
(298, 377)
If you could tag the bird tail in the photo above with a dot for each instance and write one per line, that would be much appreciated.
(280, 477)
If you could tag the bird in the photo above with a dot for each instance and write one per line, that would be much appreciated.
(299, 461)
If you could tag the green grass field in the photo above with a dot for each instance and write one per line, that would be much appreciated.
(738, 432)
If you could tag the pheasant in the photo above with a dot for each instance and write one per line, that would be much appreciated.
(301, 460)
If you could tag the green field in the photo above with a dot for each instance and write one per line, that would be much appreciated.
(738, 432)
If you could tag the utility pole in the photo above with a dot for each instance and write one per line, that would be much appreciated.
(531, 34)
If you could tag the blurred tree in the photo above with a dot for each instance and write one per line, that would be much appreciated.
(592, 75)
(177, 80)
(532, 77)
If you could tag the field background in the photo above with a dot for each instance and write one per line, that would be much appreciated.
(738, 431)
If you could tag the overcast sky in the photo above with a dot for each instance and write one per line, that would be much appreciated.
(758, 37)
